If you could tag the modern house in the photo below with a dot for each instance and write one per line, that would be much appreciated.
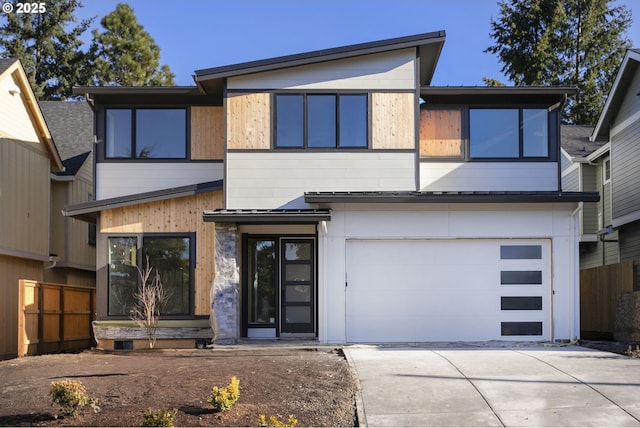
(605, 159)
(28, 157)
(335, 195)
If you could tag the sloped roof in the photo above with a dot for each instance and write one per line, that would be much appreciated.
(576, 142)
(72, 165)
(429, 46)
(71, 125)
(5, 63)
(629, 67)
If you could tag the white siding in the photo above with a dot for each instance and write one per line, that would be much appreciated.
(15, 120)
(488, 176)
(447, 222)
(275, 180)
(388, 70)
(120, 179)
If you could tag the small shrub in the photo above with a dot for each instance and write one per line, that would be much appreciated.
(71, 395)
(275, 422)
(159, 418)
(224, 398)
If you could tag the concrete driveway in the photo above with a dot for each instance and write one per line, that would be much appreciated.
(495, 385)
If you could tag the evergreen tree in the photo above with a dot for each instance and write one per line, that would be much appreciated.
(127, 54)
(563, 42)
(48, 45)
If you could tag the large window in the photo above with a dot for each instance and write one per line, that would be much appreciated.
(146, 133)
(170, 256)
(508, 133)
(321, 121)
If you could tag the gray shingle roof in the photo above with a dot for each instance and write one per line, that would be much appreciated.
(6, 63)
(71, 126)
(575, 140)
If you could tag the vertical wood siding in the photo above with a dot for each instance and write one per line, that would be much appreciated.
(12, 270)
(24, 198)
(249, 121)
(441, 132)
(392, 121)
(207, 138)
(174, 215)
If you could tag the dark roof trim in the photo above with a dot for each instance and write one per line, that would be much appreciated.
(266, 216)
(322, 55)
(498, 90)
(449, 197)
(88, 211)
(137, 90)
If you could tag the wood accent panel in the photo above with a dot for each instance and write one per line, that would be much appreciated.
(600, 289)
(249, 121)
(174, 215)
(207, 135)
(441, 133)
(392, 123)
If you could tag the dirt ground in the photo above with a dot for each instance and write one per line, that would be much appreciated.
(315, 385)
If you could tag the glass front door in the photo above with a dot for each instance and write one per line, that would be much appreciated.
(278, 286)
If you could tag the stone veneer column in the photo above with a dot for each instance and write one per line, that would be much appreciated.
(225, 313)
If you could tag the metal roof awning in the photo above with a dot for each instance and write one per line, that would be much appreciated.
(268, 216)
(88, 211)
(449, 197)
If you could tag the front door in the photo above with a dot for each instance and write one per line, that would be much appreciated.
(279, 291)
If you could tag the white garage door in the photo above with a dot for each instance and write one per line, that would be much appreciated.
(447, 290)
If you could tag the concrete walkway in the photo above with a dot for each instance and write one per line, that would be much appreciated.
(495, 385)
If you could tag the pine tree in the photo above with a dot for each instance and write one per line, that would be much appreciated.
(127, 54)
(48, 45)
(563, 42)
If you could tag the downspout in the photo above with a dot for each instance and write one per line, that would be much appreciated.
(575, 273)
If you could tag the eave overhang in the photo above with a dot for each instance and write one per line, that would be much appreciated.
(429, 46)
(548, 95)
(268, 216)
(449, 197)
(88, 211)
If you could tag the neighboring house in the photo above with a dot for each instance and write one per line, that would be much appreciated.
(609, 165)
(28, 157)
(336, 195)
(72, 241)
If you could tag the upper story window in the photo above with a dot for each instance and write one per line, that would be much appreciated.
(321, 121)
(606, 171)
(508, 133)
(485, 133)
(146, 133)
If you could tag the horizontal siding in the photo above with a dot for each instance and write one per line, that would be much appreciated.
(630, 241)
(24, 199)
(571, 181)
(276, 179)
(120, 179)
(388, 70)
(631, 103)
(625, 174)
(488, 176)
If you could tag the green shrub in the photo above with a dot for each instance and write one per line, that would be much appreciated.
(275, 422)
(159, 418)
(224, 398)
(71, 395)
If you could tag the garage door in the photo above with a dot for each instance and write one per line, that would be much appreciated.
(447, 290)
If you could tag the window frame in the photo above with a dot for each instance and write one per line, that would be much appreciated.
(141, 259)
(305, 117)
(552, 133)
(134, 158)
(606, 170)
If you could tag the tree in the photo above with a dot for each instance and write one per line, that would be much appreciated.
(48, 45)
(563, 42)
(127, 54)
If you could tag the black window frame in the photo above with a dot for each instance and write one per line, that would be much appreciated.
(553, 137)
(141, 261)
(305, 125)
(133, 149)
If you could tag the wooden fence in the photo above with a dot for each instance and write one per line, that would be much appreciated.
(54, 317)
(600, 288)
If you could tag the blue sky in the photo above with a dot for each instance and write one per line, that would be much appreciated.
(196, 34)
